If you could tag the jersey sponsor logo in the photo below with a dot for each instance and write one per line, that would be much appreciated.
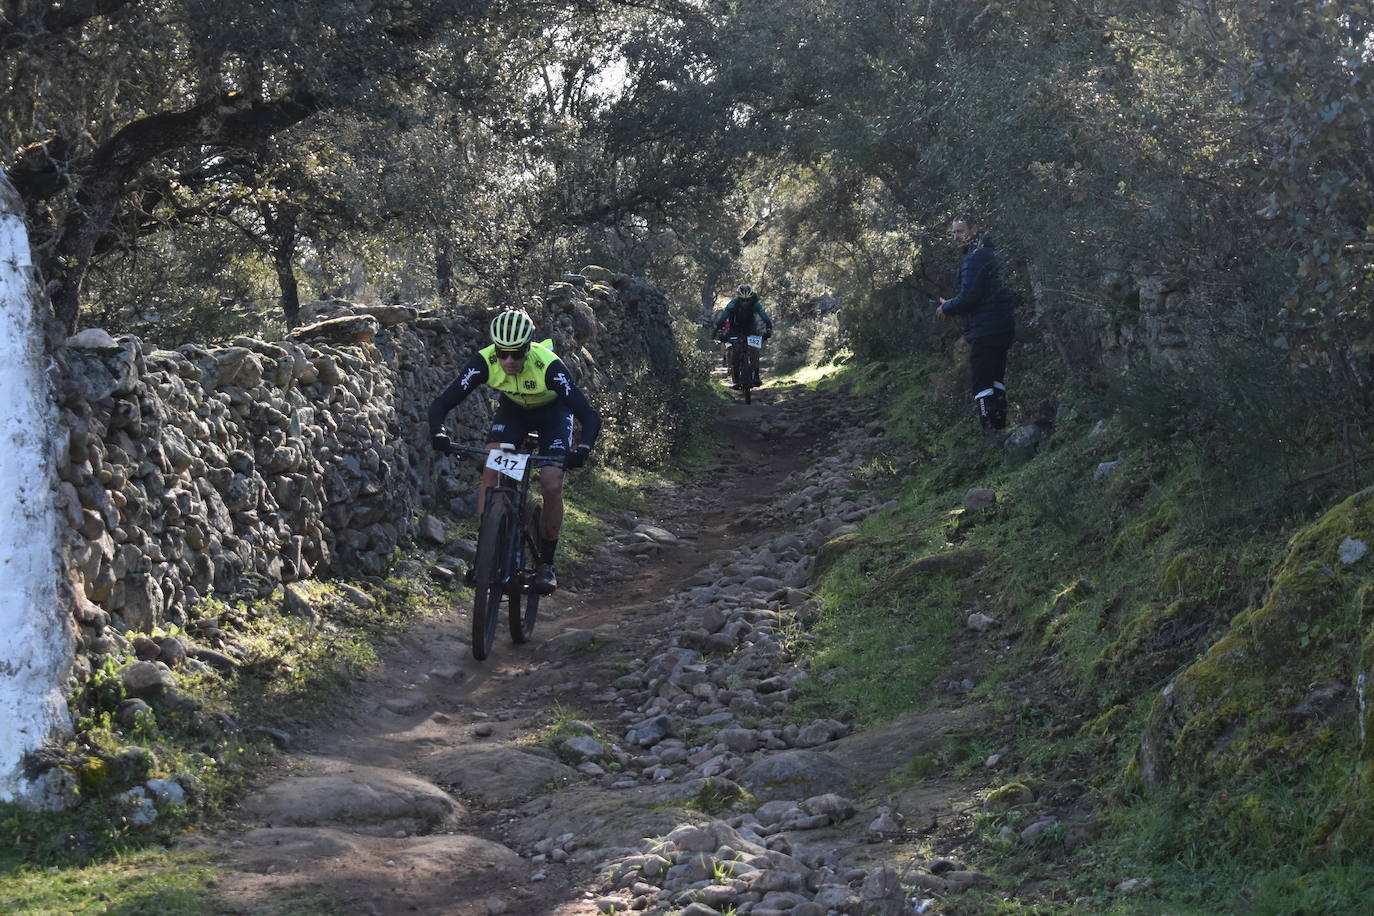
(562, 379)
(467, 377)
(529, 383)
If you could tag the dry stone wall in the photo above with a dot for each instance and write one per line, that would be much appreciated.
(220, 471)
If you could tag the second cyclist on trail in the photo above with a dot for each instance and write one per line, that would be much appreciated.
(537, 395)
(744, 316)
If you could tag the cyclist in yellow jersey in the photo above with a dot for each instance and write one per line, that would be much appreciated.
(537, 395)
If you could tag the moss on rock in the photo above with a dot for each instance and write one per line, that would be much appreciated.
(1231, 713)
(832, 550)
(1009, 796)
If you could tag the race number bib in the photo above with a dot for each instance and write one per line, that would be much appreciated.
(512, 464)
(755, 341)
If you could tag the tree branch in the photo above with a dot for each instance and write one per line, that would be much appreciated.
(231, 120)
(55, 20)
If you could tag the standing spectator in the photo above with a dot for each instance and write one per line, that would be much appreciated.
(985, 304)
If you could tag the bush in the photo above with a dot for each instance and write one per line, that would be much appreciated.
(808, 342)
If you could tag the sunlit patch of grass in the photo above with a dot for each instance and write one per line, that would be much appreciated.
(150, 882)
(593, 493)
(810, 376)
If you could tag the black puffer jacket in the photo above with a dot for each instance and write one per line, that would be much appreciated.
(983, 301)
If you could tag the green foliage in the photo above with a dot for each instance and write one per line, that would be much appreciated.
(1111, 586)
(645, 423)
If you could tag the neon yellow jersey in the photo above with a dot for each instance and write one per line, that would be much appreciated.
(529, 388)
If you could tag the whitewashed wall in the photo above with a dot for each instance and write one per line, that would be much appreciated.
(35, 644)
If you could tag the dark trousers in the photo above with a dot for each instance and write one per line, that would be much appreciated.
(987, 362)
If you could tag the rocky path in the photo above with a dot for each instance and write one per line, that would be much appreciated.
(670, 666)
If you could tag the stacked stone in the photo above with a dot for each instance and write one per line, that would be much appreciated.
(231, 470)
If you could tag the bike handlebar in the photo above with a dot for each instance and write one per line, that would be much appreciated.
(480, 454)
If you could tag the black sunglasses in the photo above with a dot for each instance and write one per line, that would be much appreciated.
(517, 353)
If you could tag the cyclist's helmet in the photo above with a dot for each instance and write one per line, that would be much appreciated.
(512, 330)
(745, 290)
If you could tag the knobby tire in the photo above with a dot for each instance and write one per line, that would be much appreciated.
(486, 600)
(741, 372)
(522, 623)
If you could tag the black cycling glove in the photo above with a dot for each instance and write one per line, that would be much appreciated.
(440, 442)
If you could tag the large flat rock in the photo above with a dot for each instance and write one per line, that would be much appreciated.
(496, 773)
(355, 795)
(608, 820)
(368, 875)
(797, 774)
(310, 849)
(870, 756)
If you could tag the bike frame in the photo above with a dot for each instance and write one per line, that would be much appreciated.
(741, 356)
(518, 493)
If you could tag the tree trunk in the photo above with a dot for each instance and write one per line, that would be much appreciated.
(290, 292)
(443, 269)
(230, 121)
(281, 230)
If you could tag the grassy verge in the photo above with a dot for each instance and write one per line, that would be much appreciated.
(212, 734)
(591, 496)
(153, 882)
(1114, 562)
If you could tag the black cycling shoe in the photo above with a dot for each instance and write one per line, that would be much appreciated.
(545, 579)
(469, 577)
(737, 386)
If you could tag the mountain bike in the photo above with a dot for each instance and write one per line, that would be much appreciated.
(508, 543)
(743, 360)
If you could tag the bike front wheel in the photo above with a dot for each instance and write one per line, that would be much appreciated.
(522, 618)
(487, 573)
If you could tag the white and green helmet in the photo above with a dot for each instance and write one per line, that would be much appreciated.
(512, 329)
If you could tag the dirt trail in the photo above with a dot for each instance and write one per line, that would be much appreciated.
(378, 855)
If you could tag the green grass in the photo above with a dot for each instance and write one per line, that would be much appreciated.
(810, 376)
(877, 649)
(147, 883)
(1108, 589)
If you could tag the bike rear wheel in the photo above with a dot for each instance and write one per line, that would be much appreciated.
(487, 572)
(522, 619)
